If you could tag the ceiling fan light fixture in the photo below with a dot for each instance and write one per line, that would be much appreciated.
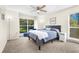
(38, 11)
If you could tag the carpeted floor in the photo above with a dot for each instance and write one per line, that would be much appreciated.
(23, 45)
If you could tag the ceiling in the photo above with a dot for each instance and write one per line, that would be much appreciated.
(27, 9)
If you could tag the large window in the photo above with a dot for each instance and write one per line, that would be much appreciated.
(26, 25)
(74, 25)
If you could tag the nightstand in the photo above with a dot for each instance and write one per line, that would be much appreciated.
(62, 36)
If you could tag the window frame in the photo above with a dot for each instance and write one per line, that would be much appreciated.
(69, 28)
(27, 24)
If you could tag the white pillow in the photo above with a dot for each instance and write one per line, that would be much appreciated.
(57, 30)
(48, 28)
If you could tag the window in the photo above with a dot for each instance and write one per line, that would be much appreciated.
(74, 25)
(30, 24)
(26, 25)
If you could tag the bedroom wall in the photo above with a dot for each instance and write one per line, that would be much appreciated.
(3, 31)
(25, 16)
(62, 18)
(40, 22)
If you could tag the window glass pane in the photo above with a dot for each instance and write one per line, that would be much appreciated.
(23, 22)
(74, 20)
(74, 32)
(30, 27)
(23, 29)
(26, 24)
(30, 22)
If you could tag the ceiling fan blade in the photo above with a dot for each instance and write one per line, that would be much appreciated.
(43, 6)
(38, 8)
(43, 10)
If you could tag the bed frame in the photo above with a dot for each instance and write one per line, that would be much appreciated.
(41, 42)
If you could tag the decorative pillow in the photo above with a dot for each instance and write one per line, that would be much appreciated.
(48, 28)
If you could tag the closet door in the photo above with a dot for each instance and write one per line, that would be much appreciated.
(74, 25)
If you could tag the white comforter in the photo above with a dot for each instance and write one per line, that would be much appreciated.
(41, 34)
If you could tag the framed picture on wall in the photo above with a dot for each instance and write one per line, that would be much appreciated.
(53, 20)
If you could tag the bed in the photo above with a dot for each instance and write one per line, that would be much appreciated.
(49, 34)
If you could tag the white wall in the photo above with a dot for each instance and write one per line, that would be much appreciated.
(3, 31)
(25, 16)
(40, 22)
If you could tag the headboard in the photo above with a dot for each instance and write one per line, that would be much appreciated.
(54, 26)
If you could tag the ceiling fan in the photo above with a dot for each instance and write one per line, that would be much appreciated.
(39, 8)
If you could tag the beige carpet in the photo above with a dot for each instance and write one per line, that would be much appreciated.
(23, 45)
